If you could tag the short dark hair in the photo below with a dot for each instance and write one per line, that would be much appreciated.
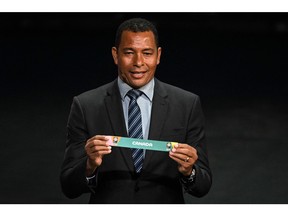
(136, 25)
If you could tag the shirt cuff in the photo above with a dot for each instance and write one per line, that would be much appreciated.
(188, 181)
(91, 180)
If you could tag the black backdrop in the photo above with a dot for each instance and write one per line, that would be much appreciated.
(236, 62)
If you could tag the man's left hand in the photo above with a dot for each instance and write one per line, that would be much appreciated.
(185, 155)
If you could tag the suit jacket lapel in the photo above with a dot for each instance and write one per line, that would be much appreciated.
(115, 112)
(158, 116)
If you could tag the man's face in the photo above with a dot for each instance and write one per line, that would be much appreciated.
(137, 57)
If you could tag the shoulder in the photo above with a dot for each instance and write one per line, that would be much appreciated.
(96, 97)
(99, 92)
(173, 91)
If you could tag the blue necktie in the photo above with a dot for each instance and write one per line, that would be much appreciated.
(135, 127)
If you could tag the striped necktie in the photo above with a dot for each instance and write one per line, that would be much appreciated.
(135, 127)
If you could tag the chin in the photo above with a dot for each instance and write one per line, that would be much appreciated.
(137, 84)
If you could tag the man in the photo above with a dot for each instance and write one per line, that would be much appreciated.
(164, 112)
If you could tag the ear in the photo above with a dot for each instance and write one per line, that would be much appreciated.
(159, 54)
(115, 55)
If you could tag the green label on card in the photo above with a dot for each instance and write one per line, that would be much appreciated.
(153, 145)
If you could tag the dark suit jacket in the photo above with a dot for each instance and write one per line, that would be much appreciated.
(176, 116)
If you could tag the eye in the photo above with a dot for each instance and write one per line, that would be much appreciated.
(128, 53)
(148, 53)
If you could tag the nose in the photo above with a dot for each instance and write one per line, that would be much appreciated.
(138, 60)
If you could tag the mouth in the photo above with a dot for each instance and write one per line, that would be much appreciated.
(137, 74)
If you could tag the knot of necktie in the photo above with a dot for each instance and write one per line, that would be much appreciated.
(134, 94)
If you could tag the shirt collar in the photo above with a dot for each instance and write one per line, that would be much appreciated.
(148, 89)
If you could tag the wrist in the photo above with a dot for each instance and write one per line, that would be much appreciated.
(191, 177)
(188, 173)
(90, 168)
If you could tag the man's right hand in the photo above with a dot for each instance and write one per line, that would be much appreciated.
(96, 147)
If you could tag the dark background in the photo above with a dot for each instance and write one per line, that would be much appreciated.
(236, 62)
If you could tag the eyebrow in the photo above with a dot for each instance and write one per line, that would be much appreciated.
(146, 49)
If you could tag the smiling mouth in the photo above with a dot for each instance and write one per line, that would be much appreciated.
(137, 72)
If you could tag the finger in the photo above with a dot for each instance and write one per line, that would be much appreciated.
(98, 137)
(94, 155)
(177, 159)
(179, 150)
(185, 149)
(183, 146)
(179, 156)
(97, 158)
(95, 148)
(183, 158)
(105, 152)
(96, 142)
